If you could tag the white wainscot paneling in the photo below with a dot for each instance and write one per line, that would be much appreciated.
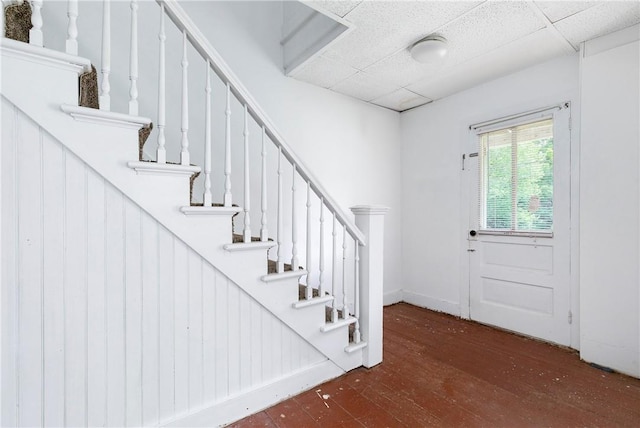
(111, 320)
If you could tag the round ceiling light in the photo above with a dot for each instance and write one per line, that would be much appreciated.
(431, 49)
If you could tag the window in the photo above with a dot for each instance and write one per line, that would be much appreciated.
(516, 178)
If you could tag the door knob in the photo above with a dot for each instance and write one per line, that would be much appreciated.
(473, 233)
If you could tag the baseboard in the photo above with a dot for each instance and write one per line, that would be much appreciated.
(432, 303)
(260, 398)
(392, 297)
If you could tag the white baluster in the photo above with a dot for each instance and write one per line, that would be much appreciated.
(247, 185)
(321, 256)
(280, 223)
(207, 142)
(309, 293)
(227, 152)
(264, 233)
(184, 127)
(294, 223)
(35, 34)
(161, 152)
(345, 304)
(105, 87)
(356, 299)
(133, 60)
(334, 271)
(72, 30)
(2, 25)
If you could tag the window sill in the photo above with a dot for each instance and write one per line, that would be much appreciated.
(525, 234)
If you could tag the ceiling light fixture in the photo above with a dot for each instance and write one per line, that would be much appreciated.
(429, 50)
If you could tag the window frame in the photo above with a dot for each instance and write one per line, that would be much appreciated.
(499, 124)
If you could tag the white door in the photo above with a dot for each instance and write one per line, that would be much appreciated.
(519, 236)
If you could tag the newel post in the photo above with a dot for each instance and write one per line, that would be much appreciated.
(370, 220)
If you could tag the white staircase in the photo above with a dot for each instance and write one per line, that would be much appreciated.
(329, 313)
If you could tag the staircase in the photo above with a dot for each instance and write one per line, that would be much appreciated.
(138, 290)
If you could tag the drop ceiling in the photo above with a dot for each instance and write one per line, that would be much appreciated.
(487, 39)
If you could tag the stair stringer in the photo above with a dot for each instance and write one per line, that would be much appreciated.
(107, 147)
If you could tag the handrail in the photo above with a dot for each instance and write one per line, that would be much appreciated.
(184, 23)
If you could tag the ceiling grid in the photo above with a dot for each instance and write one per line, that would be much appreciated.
(486, 40)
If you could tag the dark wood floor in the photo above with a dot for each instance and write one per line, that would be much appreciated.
(442, 371)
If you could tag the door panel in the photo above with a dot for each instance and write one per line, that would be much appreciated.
(521, 283)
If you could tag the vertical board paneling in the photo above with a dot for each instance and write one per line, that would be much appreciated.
(133, 314)
(208, 333)
(233, 337)
(53, 188)
(285, 355)
(166, 325)
(181, 338)
(150, 317)
(97, 299)
(266, 354)
(276, 354)
(222, 333)
(108, 318)
(195, 330)
(244, 321)
(29, 274)
(114, 234)
(75, 293)
(9, 243)
(255, 339)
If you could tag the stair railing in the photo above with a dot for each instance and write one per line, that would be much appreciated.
(346, 237)
(347, 240)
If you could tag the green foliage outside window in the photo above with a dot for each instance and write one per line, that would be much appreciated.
(518, 178)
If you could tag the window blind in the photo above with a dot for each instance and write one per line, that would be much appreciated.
(516, 178)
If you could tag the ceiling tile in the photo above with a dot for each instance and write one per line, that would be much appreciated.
(599, 20)
(401, 69)
(324, 72)
(364, 87)
(383, 28)
(401, 100)
(488, 27)
(340, 8)
(557, 10)
(527, 51)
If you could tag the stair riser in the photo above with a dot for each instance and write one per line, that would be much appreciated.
(18, 69)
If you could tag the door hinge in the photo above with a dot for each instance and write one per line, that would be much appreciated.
(570, 317)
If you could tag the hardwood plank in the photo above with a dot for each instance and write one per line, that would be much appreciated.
(442, 371)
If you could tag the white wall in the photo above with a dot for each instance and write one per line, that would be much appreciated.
(610, 202)
(350, 146)
(435, 190)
